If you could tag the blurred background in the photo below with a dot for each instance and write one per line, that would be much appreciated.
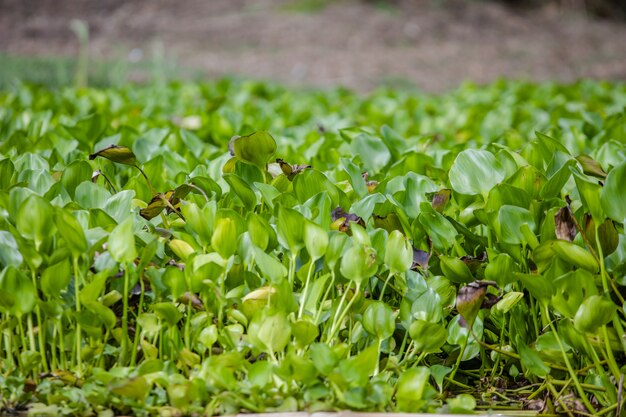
(433, 45)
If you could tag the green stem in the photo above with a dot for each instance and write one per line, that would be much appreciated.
(133, 355)
(124, 348)
(62, 355)
(572, 373)
(325, 297)
(78, 345)
(382, 292)
(306, 289)
(460, 357)
(345, 311)
(379, 342)
(8, 343)
(146, 178)
(557, 397)
(42, 333)
(292, 268)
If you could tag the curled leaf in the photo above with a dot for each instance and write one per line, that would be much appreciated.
(155, 206)
(256, 148)
(472, 297)
(341, 220)
(441, 199)
(565, 224)
(290, 170)
(607, 234)
(420, 259)
(474, 262)
(591, 166)
(116, 153)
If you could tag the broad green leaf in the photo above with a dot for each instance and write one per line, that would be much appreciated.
(315, 240)
(510, 222)
(270, 267)
(256, 148)
(359, 263)
(358, 183)
(372, 150)
(378, 320)
(261, 232)
(121, 242)
(398, 253)
(116, 153)
(612, 196)
(455, 269)
(290, 226)
(269, 331)
(593, 313)
(224, 239)
(428, 337)
(590, 194)
(242, 190)
(18, 295)
(71, 231)
(531, 360)
(74, 174)
(9, 251)
(439, 229)
(412, 388)
(475, 172)
(56, 278)
(34, 220)
(7, 172)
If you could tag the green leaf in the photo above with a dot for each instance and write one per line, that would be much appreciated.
(17, 292)
(116, 153)
(270, 267)
(358, 263)
(510, 222)
(398, 253)
(590, 195)
(34, 220)
(71, 231)
(461, 404)
(256, 148)
(269, 331)
(135, 388)
(315, 240)
(224, 239)
(455, 269)
(9, 251)
(56, 278)
(439, 229)
(612, 196)
(593, 313)
(7, 172)
(357, 180)
(290, 226)
(261, 232)
(372, 151)
(531, 360)
(121, 242)
(475, 172)
(428, 337)
(378, 320)
(412, 388)
(167, 312)
(242, 190)
(74, 174)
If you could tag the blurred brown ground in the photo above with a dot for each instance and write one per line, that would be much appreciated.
(435, 44)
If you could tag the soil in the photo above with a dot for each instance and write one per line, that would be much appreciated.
(434, 44)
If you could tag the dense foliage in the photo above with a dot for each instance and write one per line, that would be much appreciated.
(205, 249)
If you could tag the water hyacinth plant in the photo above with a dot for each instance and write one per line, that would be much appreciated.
(300, 250)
